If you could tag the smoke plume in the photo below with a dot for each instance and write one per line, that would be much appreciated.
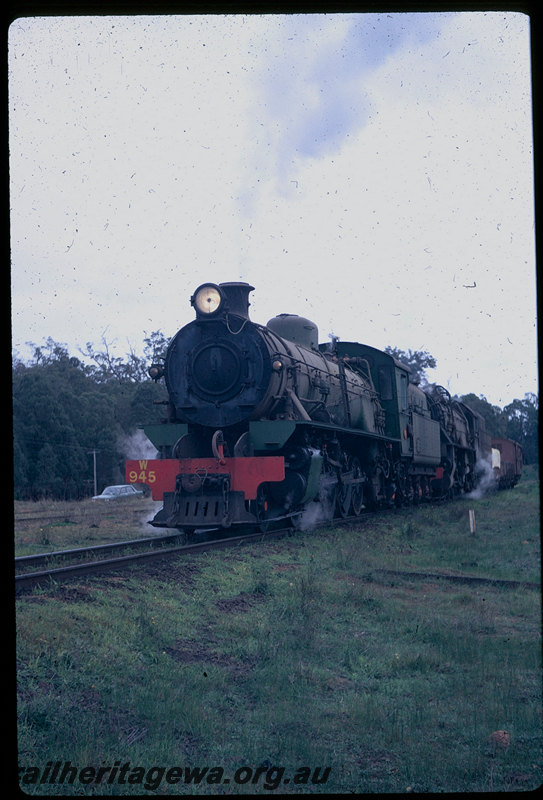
(485, 480)
(136, 445)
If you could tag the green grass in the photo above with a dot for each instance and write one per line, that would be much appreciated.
(299, 653)
(79, 524)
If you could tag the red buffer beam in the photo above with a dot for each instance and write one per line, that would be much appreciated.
(246, 474)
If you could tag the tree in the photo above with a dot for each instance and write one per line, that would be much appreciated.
(130, 369)
(418, 362)
(108, 367)
(495, 422)
(59, 414)
(64, 409)
(519, 421)
(155, 348)
(46, 439)
(20, 466)
(522, 425)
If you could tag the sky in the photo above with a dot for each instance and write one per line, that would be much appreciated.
(370, 171)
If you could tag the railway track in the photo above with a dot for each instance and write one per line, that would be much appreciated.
(38, 559)
(87, 564)
(157, 548)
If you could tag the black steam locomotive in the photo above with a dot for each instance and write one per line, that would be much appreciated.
(264, 424)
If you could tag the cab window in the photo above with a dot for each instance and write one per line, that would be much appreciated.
(385, 383)
(403, 391)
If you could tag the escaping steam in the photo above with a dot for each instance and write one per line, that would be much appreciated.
(485, 479)
(136, 445)
(318, 511)
(313, 513)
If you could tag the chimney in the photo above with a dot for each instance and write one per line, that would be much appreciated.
(237, 298)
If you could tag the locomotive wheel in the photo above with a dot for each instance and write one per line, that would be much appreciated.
(357, 496)
(371, 499)
(261, 511)
(328, 491)
(343, 500)
(331, 503)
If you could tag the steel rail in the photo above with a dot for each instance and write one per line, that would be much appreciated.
(30, 579)
(97, 548)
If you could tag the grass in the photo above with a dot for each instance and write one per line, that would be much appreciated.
(298, 653)
(45, 526)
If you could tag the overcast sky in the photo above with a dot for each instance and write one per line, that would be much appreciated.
(373, 172)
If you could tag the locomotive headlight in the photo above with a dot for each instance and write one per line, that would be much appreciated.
(277, 365)
(207, 299)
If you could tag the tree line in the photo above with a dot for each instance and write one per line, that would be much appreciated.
(69, 412)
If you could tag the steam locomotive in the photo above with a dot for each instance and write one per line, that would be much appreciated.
(265, 425)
